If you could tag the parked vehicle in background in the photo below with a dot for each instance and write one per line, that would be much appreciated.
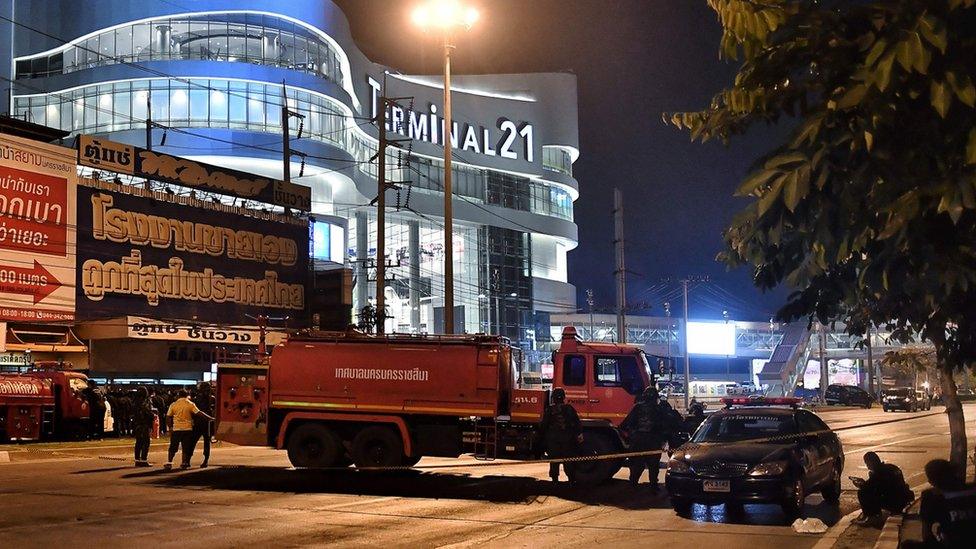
(47, 401)
(899, 398)
(848, 395)
(924, 403)
(757, 450)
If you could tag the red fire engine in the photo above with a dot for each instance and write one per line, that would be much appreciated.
(336, 398)
(44, 402)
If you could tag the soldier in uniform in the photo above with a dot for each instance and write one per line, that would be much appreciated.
(562, 433)
(142, 421)
(645, 427)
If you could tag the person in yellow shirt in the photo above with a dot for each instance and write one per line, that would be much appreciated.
(180, 419)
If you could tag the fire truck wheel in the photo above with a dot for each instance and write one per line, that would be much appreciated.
(313, 445)
(594, 472)
(377, 446)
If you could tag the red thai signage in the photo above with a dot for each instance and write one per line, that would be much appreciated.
(37, 230)
(33, 212)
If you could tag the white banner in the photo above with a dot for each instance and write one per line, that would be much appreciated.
(147, 328)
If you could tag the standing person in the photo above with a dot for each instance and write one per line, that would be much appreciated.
(884, 489)
(159, 403)
(203, 398)
(562, 432)
(96, 410)
(645, 428)
(180, 416)
(142, 420)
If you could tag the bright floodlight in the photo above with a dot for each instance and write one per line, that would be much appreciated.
(444, 14)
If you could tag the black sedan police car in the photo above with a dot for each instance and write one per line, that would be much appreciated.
(757, 450)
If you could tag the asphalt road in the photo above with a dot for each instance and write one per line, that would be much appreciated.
(251, 497)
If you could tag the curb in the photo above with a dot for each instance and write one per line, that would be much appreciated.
(890, 533)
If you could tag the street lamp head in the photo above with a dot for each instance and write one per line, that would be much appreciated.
(445, 15)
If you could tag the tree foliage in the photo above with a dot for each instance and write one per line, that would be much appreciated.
(868, 209)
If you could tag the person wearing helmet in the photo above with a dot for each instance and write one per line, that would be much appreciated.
(561, 433)
(644, 427)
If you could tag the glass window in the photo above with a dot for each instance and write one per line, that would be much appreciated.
(237, 98)
(617, 371)
(106, 48)
(179, 103)
(123, 101)
(740, 427)
(123, 44)
(141, 37)
(160, 100)
(199, 105)
(218, 105)
(574, 370)
(90, 48)
(217, 44)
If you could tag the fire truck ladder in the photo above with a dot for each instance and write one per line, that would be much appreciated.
(486, 443)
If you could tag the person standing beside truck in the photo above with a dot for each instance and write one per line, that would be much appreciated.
(203, 398)
(180, 417)
(562, 433)
(645, 428)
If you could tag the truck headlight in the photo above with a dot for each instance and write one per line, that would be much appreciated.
(769, 469)
(678, 466)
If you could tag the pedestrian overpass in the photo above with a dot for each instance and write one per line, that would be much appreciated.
(787, 348)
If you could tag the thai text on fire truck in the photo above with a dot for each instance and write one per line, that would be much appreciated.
(380, 374)
(8, 387)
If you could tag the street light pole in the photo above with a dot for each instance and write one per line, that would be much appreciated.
(448, 193)
(447, 16)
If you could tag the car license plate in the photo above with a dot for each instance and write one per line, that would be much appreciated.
(716, 486)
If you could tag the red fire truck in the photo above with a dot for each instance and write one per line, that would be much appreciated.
(45, 402)
(338, 398)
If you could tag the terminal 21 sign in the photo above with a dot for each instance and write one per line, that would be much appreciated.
(138, 255)
(121, 158)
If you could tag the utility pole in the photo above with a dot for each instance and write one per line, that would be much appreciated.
(286, 152)
(684, 332)
(381, 218)
(495, 290)
(149, 122)
(870, 363)
(589, 301)
(618, 242)
(667, 313)
(822, 337)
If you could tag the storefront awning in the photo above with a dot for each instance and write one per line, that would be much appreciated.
(38, 338)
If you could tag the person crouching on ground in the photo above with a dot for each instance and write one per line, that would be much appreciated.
(180, 418)
(884, 489)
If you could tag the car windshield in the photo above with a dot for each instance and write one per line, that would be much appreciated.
(903, 391)
(738, 427)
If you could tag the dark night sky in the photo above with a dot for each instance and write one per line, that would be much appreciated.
(634, 59)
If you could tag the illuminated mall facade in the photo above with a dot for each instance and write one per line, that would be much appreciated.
(213, 80)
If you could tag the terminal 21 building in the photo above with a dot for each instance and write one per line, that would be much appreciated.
(216, 81)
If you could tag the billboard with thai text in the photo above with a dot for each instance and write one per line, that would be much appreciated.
(148, 256)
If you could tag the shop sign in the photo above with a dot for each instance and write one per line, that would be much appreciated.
(121, 158)
(505, 138)
(161, 259)
(144, 328)
(37, 230)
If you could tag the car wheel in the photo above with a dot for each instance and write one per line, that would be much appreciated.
(377, 446)
(793, 504)
(831, 491)
(681, 506)
(314, 445)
